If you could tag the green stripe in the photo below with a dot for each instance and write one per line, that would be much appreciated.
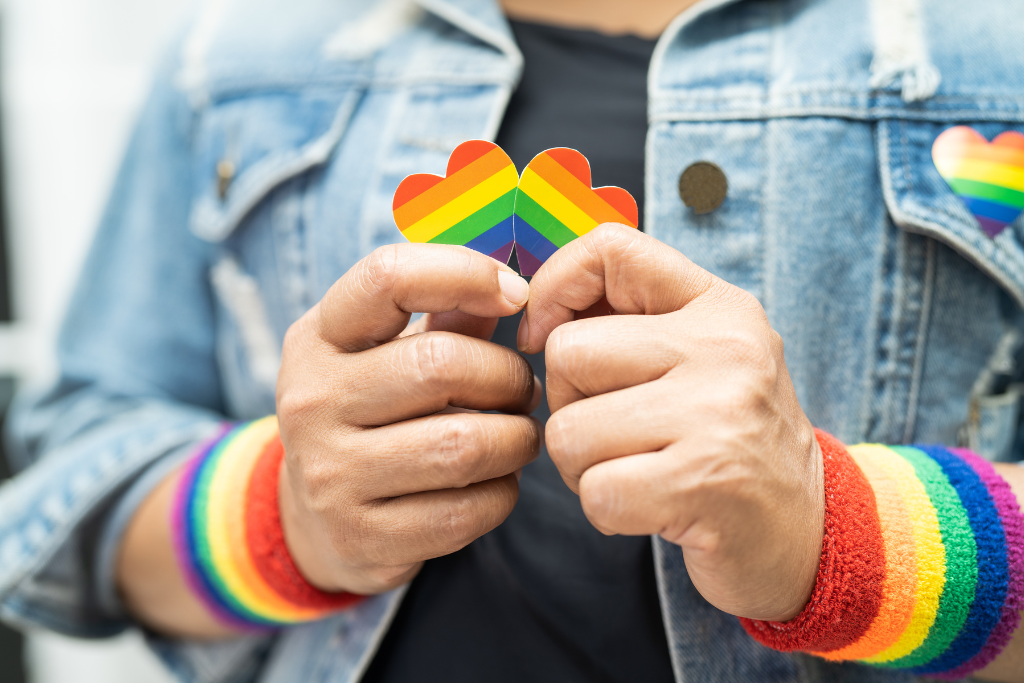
(993, 193)
(961, 560)
(542, 221)
(198, 519)
(479, 222)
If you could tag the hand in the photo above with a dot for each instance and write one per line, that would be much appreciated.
(379, 474)
(678, 417)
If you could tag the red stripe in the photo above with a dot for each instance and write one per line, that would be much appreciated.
(266, 539)
(573, 162)
(848, 592)
(467, 153)
(412, 187)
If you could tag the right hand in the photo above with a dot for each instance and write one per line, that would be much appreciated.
(381, 473)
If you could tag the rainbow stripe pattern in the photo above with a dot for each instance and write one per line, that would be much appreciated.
(950, 556)
(555, 204)
(227, 535)
(471, 206)
(988, 177)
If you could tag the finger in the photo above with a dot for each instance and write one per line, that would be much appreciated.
(371, 303)
(453, 321)
(425, 373)
(443, 452)
(600, 355)
(637, 273)
(609, 426)
(422, 526)
(461, 323)
(638, 495)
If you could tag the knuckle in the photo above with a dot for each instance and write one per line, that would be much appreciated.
(297, 404)
(558, 437)
(564, 348)
(456, 524)
(380, 269)
(598, 502)
(459, 444)
(433, 358)
(611, 237)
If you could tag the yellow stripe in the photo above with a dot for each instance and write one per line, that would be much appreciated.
(462, 207)
(555, 203)
(1001, 175)
(266, 599)
(238, 460)
(931, 553)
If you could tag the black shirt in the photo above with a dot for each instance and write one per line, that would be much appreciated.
(545, 596)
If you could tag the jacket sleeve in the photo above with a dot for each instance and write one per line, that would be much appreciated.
(138, 382)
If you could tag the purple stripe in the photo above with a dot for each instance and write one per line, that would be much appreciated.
(991, 226)
(1013, 527)
(187, 561)
(502, 253)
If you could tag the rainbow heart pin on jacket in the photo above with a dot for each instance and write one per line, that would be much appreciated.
(987, 176)
(483, 204)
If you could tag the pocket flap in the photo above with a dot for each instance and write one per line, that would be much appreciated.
(919, 200)
(246, 147)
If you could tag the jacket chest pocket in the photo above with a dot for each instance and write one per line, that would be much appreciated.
(972, 290)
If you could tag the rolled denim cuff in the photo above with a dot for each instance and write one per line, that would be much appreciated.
(113, 529)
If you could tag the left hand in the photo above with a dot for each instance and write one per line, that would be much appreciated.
(677, 417)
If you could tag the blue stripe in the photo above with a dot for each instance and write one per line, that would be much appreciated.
(494, 238)
(536, 244)
(993, 573)
(990, 209)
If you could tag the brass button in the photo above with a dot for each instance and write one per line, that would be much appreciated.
(225, 174)
(703, 187)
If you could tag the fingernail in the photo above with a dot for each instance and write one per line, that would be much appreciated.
(523, 338)
(513, 288)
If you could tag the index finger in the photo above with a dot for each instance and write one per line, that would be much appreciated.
(372, 302)
(635, 272)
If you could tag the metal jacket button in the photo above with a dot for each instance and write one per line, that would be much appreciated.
(703, 187)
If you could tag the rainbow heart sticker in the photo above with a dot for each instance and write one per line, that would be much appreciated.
(988, 177)
(555, 204)
(471, 206)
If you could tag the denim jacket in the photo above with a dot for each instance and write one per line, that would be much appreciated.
(263, 167)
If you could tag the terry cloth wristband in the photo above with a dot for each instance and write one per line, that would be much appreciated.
(228, 539)
(922, 563)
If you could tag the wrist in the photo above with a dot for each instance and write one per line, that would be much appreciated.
(308, 545)
(229, 538)
(921, 567)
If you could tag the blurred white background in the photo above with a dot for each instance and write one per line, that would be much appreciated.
(74, 73)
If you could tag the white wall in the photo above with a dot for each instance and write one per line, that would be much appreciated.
(74, 73)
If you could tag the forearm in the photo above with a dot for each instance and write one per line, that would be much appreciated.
(150, 578)
(205, 555)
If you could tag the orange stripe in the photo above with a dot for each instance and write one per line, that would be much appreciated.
(576, 192)
(270, 604)
(900, 585)
(453, 186)
(956, 150)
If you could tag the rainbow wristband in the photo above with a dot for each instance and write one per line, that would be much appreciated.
(922, 565)
(228, 538)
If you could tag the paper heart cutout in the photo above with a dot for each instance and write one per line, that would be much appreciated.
(988, 177)
(471, 206)
(555, 204)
